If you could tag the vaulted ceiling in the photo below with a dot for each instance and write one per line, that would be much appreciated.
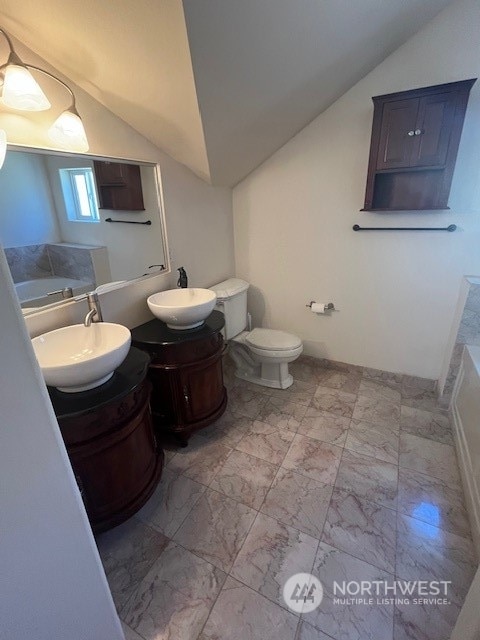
(218, 84)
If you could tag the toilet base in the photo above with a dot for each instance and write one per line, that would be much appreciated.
(275, 376)
(265, 369)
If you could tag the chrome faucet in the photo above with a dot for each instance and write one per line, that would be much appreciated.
(95, 313)
(89, 317)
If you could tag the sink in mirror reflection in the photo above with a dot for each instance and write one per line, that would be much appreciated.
(66, 223)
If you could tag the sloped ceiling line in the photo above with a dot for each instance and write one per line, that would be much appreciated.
(219, 85)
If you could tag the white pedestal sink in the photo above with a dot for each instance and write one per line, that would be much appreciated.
(182, 308)
(78, 358)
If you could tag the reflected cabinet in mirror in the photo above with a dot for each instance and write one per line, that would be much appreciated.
(72, 223)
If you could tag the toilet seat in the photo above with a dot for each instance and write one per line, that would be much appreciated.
(272, 340)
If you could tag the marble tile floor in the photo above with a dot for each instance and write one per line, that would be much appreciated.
(350, 475)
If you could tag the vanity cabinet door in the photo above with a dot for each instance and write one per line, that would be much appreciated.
(166, 395)
(201, 388)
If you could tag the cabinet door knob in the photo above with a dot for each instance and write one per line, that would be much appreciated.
(411, 133)
(418, 132)
(185, 394)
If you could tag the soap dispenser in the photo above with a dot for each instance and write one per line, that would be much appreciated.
(182, 279)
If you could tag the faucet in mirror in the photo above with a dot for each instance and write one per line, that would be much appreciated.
(56, 215)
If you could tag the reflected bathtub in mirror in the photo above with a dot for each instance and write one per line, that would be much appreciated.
(41, 291)
(54, 229)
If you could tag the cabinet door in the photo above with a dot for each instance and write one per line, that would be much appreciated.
(119, 186)
(433, 129)
(397, 133)
(202, 388)
(109, 173)
(163, 399)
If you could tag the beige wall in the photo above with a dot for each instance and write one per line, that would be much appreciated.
(293, 220)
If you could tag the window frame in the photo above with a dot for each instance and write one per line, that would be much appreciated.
(71, 195)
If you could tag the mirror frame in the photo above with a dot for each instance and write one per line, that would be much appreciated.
(163, 222)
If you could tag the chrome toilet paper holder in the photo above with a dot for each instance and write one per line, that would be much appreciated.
(329, 306)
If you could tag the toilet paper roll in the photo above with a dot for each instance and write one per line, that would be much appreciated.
(318, 307)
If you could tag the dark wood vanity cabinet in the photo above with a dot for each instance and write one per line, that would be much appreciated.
(415, 138)
(108, 433)
(186, 375)
(119, 186)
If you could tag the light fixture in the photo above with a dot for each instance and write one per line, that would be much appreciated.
(22, 92)
(3, 146)
(20, 89)
(68, 131)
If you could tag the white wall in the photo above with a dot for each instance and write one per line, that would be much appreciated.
(293, 220)
(27, 216)
(52, 583)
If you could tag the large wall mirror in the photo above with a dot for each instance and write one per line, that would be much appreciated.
(77, 222)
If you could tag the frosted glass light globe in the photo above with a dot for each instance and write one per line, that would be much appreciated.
(21, 90)
(68, 132)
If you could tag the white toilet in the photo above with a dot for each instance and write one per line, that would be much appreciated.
(261, 355)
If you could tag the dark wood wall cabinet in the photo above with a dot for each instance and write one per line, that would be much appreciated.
(119, 186)
(108, 433)
(415, 138)
(186, 375)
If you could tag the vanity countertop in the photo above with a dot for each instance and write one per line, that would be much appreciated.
(156, 332)
(128, 376)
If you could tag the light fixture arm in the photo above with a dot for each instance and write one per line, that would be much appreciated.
(50, 75)
(7, 38)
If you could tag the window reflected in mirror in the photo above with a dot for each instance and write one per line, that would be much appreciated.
(79, 194)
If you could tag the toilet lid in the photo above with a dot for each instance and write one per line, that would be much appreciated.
(272, 340)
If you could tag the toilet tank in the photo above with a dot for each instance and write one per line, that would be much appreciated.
(232, 302)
